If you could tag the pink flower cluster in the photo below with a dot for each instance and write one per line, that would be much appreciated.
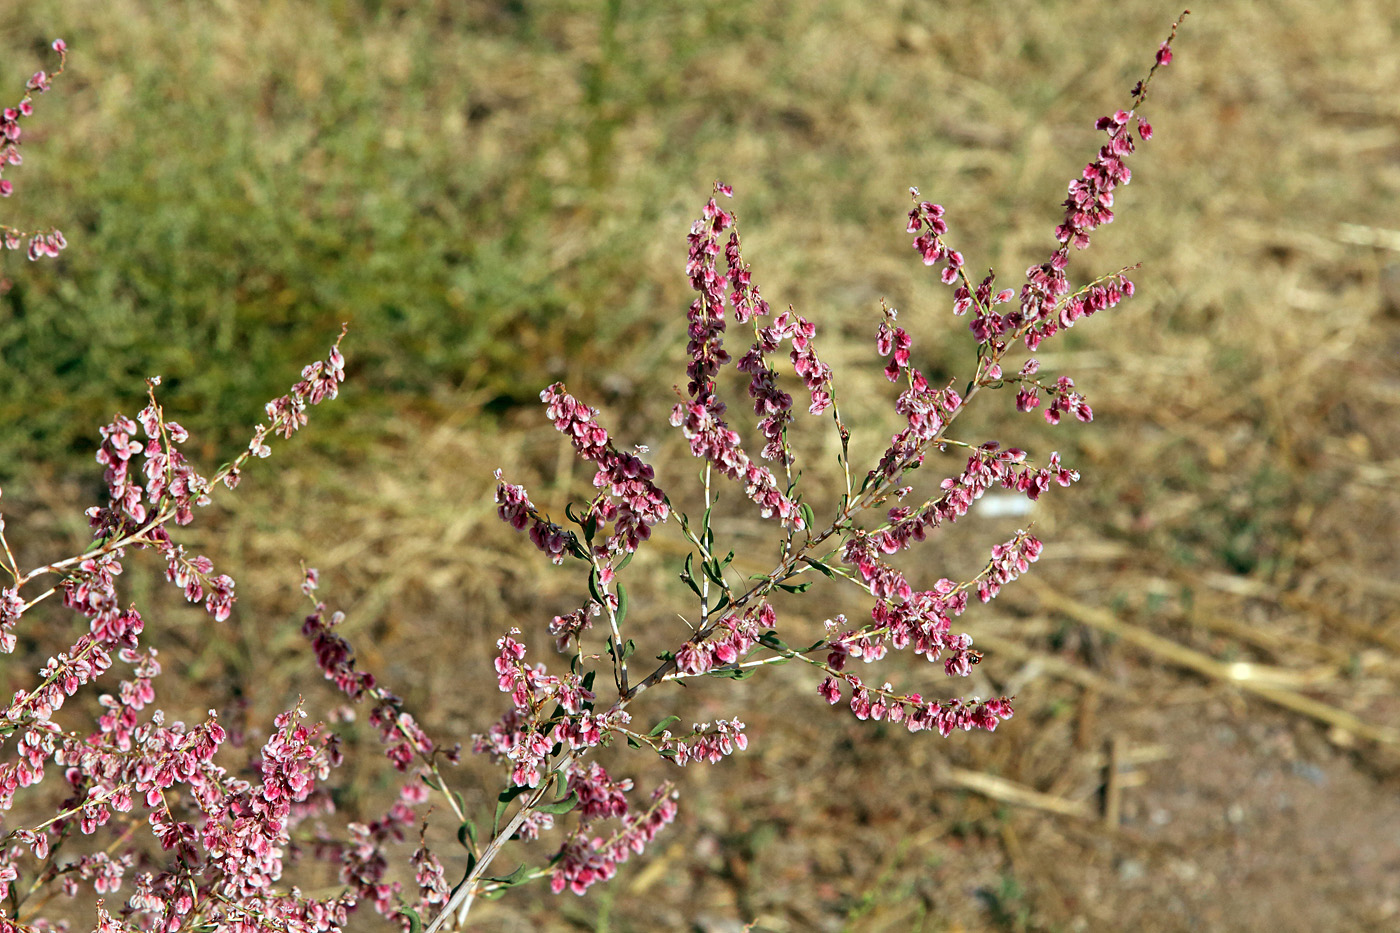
(773, 404)
(706, 345)
(364, 858)
(927, 410)
(52, 242)
(726, 642)
(1009, 561)
(568, 629)
(987, 326)
(1089, 206)
(225, 838)
(586, 860)
(319, 381)
(989, 465)
(917, 714)
(526, 734)
(706, 742)
(770, 402)
(714, 441)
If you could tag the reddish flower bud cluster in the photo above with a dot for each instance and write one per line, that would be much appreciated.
(632, 502)
(568, 629)
(702, 418)
(928, 218)
(771, 402)
(706, 345)
(404, 739)
(927, 410)
(1088, 207)
(319, 381)
(514, 507)
(52, 242)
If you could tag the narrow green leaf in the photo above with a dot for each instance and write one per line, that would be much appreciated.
(714, 571)
(663, 725)
(626, 559)
(688, 577)
(733, 673)
(512, 879)
(503, 801)
(466, 834)
(818, 566)
(415, 923)
(621, 603)
(808, 516)
(561, 806)
(771, 640)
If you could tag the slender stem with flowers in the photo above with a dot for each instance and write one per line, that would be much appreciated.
(555, 719)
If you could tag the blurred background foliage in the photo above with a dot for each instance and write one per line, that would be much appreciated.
(495, 196)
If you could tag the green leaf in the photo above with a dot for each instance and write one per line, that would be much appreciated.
(626, 559)
(794, 587)
(558, 807)
(594, 587)
(514, 878)
(466, 834)
(720, 603)
(818, 566)
(733, 673)
(663, 725)
(714, 571)
(503, 801)
(628, 647)
(771, 640)
(688, 576)
(809, 518)
(415, 923)
(621, 603)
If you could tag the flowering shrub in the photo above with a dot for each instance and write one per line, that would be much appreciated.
(223, 835)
